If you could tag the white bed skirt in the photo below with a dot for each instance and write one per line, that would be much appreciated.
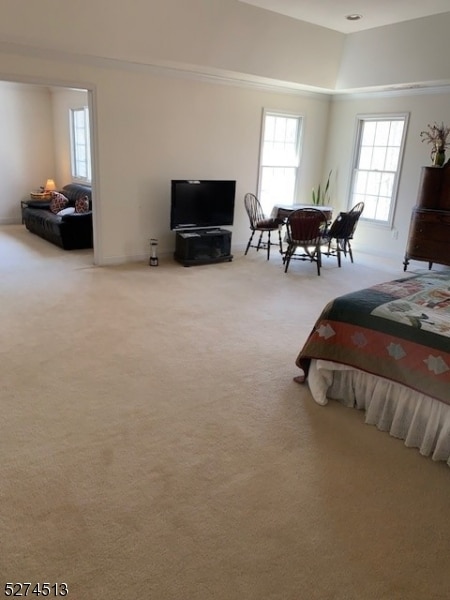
(421, 421)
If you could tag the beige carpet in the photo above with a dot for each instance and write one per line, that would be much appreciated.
(153, 444)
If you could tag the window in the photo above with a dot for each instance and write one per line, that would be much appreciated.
(80, 144)
(378, 154)
(279, 159)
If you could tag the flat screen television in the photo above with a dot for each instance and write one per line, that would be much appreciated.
(201, 204)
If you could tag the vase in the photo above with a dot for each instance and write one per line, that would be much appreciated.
(438, 158)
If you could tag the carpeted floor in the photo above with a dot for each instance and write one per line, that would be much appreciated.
(153, 444)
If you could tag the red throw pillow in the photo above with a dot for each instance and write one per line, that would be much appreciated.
(82, 204)
(58, 202)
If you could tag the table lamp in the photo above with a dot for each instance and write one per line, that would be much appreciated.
(50, 185)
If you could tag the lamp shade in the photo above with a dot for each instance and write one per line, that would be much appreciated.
(50, 185)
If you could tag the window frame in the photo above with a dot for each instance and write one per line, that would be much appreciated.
(377, 117)
(299, 141)
(74, 143)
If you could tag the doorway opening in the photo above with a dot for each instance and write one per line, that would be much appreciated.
(38, 144)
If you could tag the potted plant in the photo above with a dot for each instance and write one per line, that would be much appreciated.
(437, 136)
(321, 196)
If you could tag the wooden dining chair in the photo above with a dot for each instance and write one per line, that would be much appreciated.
(263, 224)
(338, 238)
(305, 228)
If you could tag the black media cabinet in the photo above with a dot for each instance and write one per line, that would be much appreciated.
(203, 246)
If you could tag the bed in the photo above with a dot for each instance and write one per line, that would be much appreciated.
(386, 350)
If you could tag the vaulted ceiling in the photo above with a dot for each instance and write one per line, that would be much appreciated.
(332, 13)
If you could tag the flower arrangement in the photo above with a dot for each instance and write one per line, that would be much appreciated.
(437, 136)
(321, 196)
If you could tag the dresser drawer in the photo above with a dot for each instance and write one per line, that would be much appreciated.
(431, 216)
(433, 225)
(438, 233)
(429, 249)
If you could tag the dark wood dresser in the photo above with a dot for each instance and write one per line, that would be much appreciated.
(429, 231)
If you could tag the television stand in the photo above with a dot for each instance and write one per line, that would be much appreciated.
(203, 246)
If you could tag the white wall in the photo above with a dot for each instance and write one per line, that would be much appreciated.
(26, 145)
(411, 52)
(153, 129)
(423, 108)
(206, 35)
(227, 36)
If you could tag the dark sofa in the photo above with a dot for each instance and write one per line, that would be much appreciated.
(70, 232)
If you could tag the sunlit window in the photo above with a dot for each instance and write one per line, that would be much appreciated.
(80, 144)
(279, 159)
(378, 155)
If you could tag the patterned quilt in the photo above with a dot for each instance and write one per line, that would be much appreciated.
(399, 330)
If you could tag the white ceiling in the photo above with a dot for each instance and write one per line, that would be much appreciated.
(375, 13)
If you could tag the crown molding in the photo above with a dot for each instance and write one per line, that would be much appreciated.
(393, 91)
(210, 75)
(161, 68)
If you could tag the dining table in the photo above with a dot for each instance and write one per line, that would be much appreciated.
(282, 211)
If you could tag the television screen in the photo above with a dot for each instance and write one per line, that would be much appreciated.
(201, 204)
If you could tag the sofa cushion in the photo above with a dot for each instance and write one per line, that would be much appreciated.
(66, 211)
(82, 204)
(73, 191)
(58, 202)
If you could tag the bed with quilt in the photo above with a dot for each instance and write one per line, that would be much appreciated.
(386, 350)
